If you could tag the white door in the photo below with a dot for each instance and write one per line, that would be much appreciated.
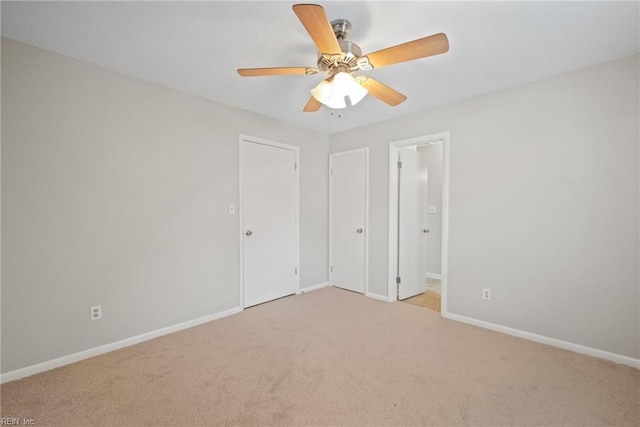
(269, 201)
(412, 244)
(348, 219)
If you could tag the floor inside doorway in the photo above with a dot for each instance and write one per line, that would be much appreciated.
(429, 299)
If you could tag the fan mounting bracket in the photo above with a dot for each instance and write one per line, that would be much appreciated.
(341, 28)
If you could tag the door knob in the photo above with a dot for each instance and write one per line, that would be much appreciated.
(425, 230)
(359, 230)
(248, 233)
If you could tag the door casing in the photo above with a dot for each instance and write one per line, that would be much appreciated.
(394, 148)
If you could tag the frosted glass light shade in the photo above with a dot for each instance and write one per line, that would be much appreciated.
(345, 85)
(324, 94)
(333, 94)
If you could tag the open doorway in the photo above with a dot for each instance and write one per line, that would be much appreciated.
(418, 226)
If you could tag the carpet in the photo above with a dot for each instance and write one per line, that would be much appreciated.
(331, 357)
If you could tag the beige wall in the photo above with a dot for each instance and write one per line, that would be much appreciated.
(543, 204)
(115, 191)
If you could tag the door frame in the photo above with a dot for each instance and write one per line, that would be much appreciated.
(252, 139)
(394, 151)
(332, 156)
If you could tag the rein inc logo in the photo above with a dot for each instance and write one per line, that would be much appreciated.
(5, 421)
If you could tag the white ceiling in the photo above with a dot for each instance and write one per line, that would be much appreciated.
(196, 47)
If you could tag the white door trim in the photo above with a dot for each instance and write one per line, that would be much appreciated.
(394, 150)
(246, 138)
(332, 156)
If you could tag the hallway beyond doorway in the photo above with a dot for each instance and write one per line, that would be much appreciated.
(429, 299)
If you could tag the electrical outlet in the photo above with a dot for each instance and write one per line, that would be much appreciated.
(96, 312)
(486, 294)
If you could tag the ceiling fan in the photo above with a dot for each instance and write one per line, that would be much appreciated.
(340, 58)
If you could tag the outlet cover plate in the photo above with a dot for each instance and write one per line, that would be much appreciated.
(96, 312)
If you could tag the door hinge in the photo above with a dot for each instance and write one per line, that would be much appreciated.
(399, 164)
(398, 280)
(296, 271)
(331, 171)
(331, 268)
(295, 166)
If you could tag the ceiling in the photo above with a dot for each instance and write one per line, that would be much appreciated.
(196, 47)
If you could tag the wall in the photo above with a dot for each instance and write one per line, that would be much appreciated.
(431, 161)
(543, 204)
(115, 191)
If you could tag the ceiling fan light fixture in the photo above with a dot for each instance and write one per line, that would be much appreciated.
(339, 57)
(333, 94)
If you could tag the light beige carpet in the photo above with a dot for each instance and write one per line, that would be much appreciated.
(331, 357)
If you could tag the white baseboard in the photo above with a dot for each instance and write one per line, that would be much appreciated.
(313, 288)
(618, 358)
(378, 297)
(85, 354)
(434, 276)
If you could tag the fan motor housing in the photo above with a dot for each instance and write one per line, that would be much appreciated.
(350, 52)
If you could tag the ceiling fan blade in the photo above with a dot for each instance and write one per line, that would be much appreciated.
(275, 71)
(318, 26)
(420, 48)
(312, 105)
(381, 91)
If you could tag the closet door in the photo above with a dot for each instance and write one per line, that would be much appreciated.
(269, 216)
(348, 219)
